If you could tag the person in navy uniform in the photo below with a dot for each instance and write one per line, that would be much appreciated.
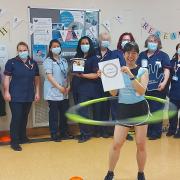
(104, 54)
(84, 84)
(124, 38)
(21, 88)
(2, 102)
(158, 64)
(174, 93)
(56, 89)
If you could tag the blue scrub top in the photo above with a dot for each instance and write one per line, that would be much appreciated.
(174, 92)
(59, 71)
(84, 85)
(155, 64)
(22, 84)
(109, 55)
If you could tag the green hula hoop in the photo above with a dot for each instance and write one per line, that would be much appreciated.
(155, 117)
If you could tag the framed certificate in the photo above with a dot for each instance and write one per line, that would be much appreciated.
(78, 65)
(111, 75)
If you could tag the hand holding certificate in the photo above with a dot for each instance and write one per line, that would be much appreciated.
(111, 75)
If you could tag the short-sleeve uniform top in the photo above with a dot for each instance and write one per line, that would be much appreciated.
(59, 70)
(22, 84)
(175, 80)
(155, 64)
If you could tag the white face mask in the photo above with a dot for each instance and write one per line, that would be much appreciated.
(124, 43)
(178, 51)
(56, 50)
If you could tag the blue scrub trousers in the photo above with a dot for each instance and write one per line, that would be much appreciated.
(57, 118)
(20, 112)
(174, 122)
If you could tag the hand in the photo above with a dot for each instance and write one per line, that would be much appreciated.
(7, 96)
(68, 89)
(62, 89)
(126, 70)
(99, 73)
(161, 86)
(37, 97)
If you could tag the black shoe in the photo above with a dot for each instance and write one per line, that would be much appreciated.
(140, 176)
(129, 137)
(24, 140)
(16, 147)
(177, 135)
(155, 137)
(109, 176)
(55, 138)
(105, 135)
(83, 138)
(66, 136)
(97, 135)
(169, 133)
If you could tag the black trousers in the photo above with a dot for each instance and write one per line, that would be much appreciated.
(57, 118)
(20, 112)
(2, 105)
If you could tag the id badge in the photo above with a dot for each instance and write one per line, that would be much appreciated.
(144, 63)
(175, 78)
(159, 64)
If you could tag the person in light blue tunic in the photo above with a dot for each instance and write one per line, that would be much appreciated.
(56, 89)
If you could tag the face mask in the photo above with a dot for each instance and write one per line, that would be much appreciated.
(124, 43)
(23, 54)
(178, 51)
(56, 50)
(105, 44)
(152, 46)
(85, 48)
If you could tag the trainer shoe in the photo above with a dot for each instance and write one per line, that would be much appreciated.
(109, 176)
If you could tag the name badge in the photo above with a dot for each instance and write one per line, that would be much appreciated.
(159, 64)
(175, 78)
(178, 65)
(144, 63)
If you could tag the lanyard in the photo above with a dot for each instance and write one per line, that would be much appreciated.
(176, 67)
(62, 68)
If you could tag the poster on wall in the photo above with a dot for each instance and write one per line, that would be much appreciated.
(92, 25)
(71, 27)
(42, 28)
(39, 53)
(3, 58)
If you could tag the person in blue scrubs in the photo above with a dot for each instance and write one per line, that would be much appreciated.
(158, 64)
(84, 85)
(2, 102)
(124, 38)
(21, 88)
(104, 54)
(174, 94)
(56, 89)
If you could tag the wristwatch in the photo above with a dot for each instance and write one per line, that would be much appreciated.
(133, 78)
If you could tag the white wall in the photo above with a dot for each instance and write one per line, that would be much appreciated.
(163, 15)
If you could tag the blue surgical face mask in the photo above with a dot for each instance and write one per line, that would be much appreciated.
(105, 44)
(124, 43)
(23, 54)
(152, 46)
(56, 50)
(178, 51)
(85, 48)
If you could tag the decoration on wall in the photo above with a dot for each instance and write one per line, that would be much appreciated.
(2, 12)
(163, 35)
(106, 25)
(16, 22)
(119, 19)
(5, 31)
